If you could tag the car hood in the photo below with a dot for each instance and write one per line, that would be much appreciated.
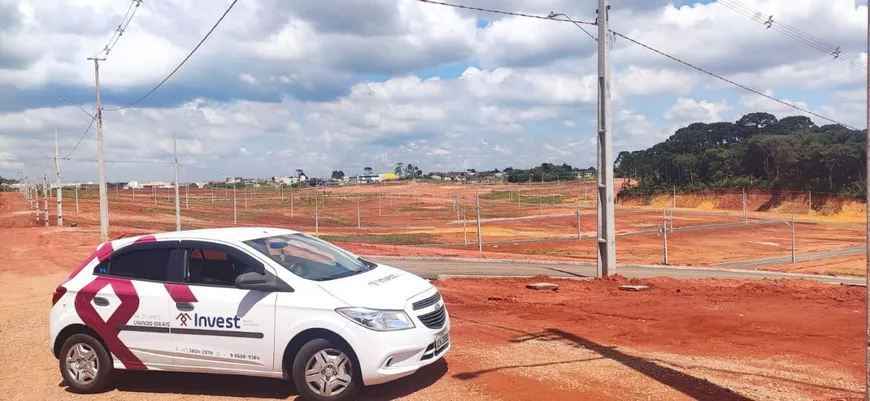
(384, 287)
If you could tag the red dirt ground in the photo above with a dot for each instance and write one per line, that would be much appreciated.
(703, 339)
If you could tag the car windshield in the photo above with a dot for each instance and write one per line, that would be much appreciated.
(309, 257)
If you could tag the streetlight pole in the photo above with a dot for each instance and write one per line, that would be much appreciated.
(59, 186)
(104, 197)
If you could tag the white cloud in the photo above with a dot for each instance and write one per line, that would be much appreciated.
(297, 78)
(248, 79)
(687, 110)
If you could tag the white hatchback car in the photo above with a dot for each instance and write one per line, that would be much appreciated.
(250, 301)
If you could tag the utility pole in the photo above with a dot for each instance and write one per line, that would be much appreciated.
(45, 197)
(59, 186)
(235, 215)
(177, 200)
(77, 198)
(867, 210)
(606, 227)
(479, 236)
(36, 201)
(104, 196)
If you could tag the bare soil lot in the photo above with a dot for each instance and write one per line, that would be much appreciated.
(704, 339)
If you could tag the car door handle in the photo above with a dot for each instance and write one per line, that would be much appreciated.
(184, 306)
(100, 301)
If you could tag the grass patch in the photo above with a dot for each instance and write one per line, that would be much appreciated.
(842, 273)
(383, 239)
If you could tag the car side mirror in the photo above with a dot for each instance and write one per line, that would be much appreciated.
(252, 281)
(261, 282)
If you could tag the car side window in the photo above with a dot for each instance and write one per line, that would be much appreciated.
(216, 266)
(146, 264)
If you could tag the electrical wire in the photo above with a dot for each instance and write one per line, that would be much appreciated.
(182, 61)
(84, 134)
(205, 169)
(493, 11)
(793, 32)
(116, 36)
(732, 82)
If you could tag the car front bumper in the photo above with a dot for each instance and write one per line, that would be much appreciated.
(387, 356)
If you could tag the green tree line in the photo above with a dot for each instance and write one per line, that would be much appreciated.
(757, 151)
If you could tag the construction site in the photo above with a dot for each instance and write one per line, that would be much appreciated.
(787, 336)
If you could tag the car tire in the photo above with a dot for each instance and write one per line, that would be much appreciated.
(333, 365)
(85, 364)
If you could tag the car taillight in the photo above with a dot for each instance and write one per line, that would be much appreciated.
(58, 294)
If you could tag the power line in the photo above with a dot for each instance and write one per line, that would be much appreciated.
(205, 169)
(182, 61)
(84, 134)
(732, 82)
(792, 32)
(515, 14)
(122, 27)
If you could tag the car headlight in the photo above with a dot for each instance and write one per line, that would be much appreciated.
(378, 320)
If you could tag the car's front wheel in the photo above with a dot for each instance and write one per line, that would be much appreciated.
(324, 371)
(85, 364)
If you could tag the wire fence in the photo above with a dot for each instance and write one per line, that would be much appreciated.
(548, 220)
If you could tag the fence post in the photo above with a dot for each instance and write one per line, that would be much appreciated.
(675, 197)
(291, 201)
(579, 232)
(745, 215)
(665, 239)
(793, 257)
(810, 204)
(187, 196)
(541, 199)
(479, 236)
(316, 218)
(380, 195)
(464, 227)
(77, 198)
(246, 197)
(235, 218)
(134, 192)
(358, 225)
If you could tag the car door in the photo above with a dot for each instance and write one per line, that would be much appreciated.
(215, 325)
(129, 303)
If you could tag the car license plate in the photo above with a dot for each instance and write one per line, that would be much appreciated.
(441, 339)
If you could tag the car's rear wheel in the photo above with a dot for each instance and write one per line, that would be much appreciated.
(85, 364)
(324, 371)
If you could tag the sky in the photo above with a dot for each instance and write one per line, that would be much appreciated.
(348, 84)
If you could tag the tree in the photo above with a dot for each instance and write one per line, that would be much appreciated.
(337, 174)
(367, 170)
(759, 150)
(400, 169)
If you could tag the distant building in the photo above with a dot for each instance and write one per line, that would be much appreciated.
(133, 185)
(388, 177)
(234, 180)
